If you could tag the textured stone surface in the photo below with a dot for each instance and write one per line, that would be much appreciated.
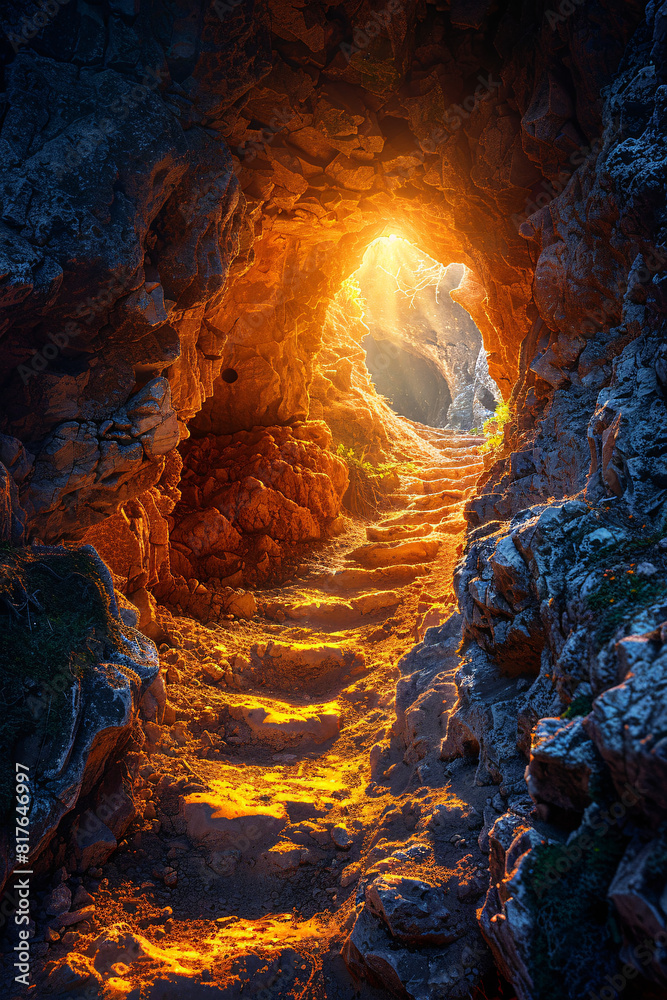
(219, 243)
(96, 722)
(168, 253)
(249, 499)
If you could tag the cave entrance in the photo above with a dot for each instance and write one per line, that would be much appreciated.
(424, 352)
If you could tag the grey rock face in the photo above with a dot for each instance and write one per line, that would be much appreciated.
(638, 893)
(562, 764)
(99, 709)
(396, 917)
(413, 911)
(601, 618)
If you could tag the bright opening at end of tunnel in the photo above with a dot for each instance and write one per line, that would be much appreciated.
(424, 353)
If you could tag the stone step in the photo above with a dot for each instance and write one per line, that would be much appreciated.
(374, 554)
(395, 532)
(434, 501)
(451, 438)
(452, 476)
(431, 472)
(336, 613)
(454, 448)
(382, 578)
(461, 462)
(452, 485)
(422, 517)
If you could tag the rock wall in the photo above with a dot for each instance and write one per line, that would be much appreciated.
(245, 158)
(564, 599)
(71, 696)
(173, 230)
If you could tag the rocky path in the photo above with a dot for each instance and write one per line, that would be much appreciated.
(299, 835)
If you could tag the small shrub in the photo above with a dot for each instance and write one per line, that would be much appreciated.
(368, 482)
(621, 594)
(579, 706)
(494, 427)
(573, 941)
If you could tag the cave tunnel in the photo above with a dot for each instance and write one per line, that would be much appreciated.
(414, 387)
(333, 550)
(423, 350)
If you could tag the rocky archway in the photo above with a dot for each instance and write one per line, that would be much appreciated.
(258, 198)
(178, 356)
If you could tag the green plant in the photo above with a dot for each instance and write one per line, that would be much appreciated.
(620, 594)
(572, 935)
(579, 706)
(352, 290)
(368, 482)
(399, 468)
(494, 427)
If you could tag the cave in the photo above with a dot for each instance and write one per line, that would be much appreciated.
(423, 350)
(415, 389)
(333, 536)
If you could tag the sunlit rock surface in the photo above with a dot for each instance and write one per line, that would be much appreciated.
(184, 197)
(423, 349)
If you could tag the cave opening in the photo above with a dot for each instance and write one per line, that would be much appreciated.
(423, 351)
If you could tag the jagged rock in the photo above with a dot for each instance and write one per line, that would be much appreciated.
(98, 708)
(628, 725)
(227, 293)
(483, 721)
(399, 913)
(12, 515)
(638, 894)
(507, 919)
(59, 900)
(412, 910)
(563, 763)
(273, 487)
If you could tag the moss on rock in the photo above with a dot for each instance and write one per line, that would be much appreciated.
(56, 620)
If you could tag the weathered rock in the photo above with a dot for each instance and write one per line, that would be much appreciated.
(638, 894)
(58, 901)
(629, 727)
(398, 914)
(95, 711)
(412, 910)
(563, 763)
